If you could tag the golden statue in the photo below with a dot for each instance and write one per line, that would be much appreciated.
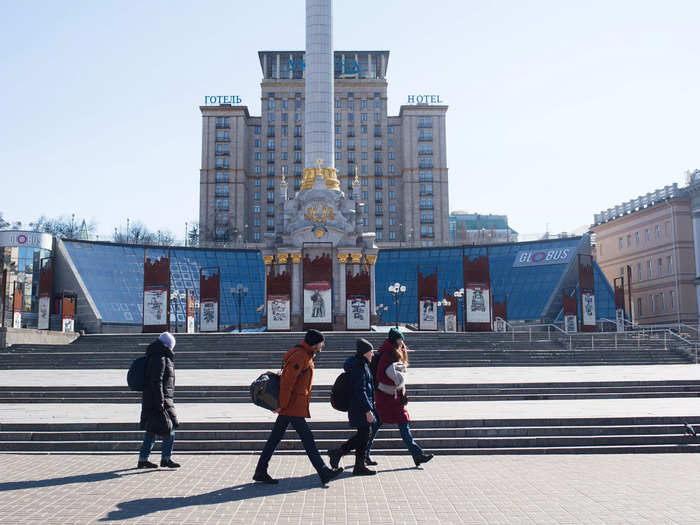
(330, 176)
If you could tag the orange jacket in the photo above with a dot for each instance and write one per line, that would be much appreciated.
(295, 385)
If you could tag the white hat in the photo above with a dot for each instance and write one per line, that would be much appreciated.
(167, 339)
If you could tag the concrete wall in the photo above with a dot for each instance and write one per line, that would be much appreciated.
(17, 336)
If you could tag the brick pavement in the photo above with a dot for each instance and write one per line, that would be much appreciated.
(587, 489)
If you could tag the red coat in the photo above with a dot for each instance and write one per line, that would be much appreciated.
(295, 385)
(391, 410)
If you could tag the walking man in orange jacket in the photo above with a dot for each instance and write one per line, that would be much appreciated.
(295, 393)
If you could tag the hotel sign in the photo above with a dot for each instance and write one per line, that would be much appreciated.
(526, 258)
(424, 99)
(215, 100)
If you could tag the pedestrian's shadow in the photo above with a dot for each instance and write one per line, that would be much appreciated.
(398, 469)
(67, 480)
(141, 507)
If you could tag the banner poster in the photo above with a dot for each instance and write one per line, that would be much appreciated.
(317, 302)
(620, 320)
(155, 306)
(450, 323)
(478, 305)
(68, 324)
(190, 324)
(570, 324)
(499, 325)
(17, 320)
(278, 312)
(209, 316)
(358, 312)
(588, 314)
(44, 311)
(428, 313)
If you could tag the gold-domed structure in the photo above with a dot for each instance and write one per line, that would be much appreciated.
(330, 176)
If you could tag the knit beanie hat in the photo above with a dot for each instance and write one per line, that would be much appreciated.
(363, 346)
(313, 337)
(395, 335)
(167, 339)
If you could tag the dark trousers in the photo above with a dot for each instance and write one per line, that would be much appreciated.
(302, 428)
(358, 443)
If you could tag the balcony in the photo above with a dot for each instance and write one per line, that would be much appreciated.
(221, 193)
(377, 147)
(377, 133)
(270, 161)
(378, 200)
(428, 235)
(270, 213)
(426, 206)
(379, 213)
(223, 152)
(425, 152)
(223, 139)
(425, 138)
(271, 200)
(379, 227)
(426, 192)
(270, 132)
(426, 220)
(223, 126)
(297, 148)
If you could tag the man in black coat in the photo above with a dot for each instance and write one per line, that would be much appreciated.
(360, 408)
(158, 416)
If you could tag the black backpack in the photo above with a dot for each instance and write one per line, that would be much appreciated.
(340, 393)
(373, 365)
(136, 376)
(265, 390)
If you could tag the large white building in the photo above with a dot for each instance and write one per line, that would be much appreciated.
(400, 160)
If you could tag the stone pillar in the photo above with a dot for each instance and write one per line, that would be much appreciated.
(318, 112)
(297, 320)
(341, 304)
(371, 258)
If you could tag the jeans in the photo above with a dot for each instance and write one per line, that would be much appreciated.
(405, 430)
(358, 443)
(302, 428)
(148, 442)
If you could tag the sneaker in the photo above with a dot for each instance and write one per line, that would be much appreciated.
(327, 474)
(334, 457)
(146, 464)
(264, 477)
(361, 470)
(169, 463)
(370, 461)
(423, 458)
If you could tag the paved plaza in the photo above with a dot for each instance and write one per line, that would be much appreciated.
(635, 489)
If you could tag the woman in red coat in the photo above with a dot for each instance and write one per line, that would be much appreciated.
(390, 395)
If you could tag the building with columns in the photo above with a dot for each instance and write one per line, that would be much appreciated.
(651, 242)
(400, 160)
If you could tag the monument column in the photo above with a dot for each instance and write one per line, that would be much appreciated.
(371, 258)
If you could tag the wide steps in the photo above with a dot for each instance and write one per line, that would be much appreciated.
(593, 435)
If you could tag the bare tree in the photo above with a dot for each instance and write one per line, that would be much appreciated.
(3, 223)
(64, 227)
(193, 234)
(140, 234)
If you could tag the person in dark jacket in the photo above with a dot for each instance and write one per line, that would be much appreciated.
(360, 408)
(295, 393)
(157, 401)
(390, 397)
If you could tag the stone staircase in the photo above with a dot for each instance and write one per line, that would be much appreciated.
(507, 436)
(436, 349)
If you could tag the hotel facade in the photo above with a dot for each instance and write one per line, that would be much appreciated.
(399, 161)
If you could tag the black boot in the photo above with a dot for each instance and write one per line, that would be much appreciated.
(264, 477)
(146, 464)
(327, 474)
(169, 463)
(423, 458)
(334, 456)
(361, 470)
(370, 461)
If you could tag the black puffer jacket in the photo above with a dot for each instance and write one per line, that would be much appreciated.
(159, 387)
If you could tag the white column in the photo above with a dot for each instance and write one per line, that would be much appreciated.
(318, 125)
(291, 69)
(278, 66)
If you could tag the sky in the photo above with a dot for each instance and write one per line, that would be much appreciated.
(557, 109)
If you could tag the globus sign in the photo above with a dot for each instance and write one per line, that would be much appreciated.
(25, 238)
(543, 257)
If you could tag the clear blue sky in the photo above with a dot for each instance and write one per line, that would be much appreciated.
(557, 109)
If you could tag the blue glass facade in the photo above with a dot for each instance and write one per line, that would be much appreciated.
(114, 276)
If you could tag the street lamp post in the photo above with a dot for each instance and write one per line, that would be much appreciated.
(459, 296)
(396, 289)
(239, 291)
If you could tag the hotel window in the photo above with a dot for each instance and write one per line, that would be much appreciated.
(425, 134)
(297, 117)
(377, 157)
(256, 236)
(351, 144)
(377, 131)
(270, 170)
(221, 176)
(669, 265)
(365, 196)
(363, 117)
(223, 122)
(337, 130)
(391, 155)
(257, 168)
(221, 190)
(392, 182)
(297, 131)
(363, 155)
(390, 130)
(377, 196)
(270, 117)
(379, 235)
(222, 163)
(363, 169)
(297, 156)
(620, 242)
(222, 136)
(646, 235)
(364, 221)
(377, 169)
(392, 208)
(222, 204)
(271, 157)
(378, 210)
(425, 122)
(256, 195)
(285, 131)
(379, 223)
(640, 313)
(257, 143)
(351, 156)
(639, 271)
(256, 209)
(427, 162)
(297, 171)
(392, 221)
(297, 144)
(351, 117)
(377, 117)
(662, 302)
(660, 264)
(351, 104)
(337, 155)
(284, 104)
(271, 101)
(285, 143)
(637, 238)
(649, 270)
(365, 181)
(285, 155)
(271, 145)
(256, 221)
(392, 235)
(425, 149)
(629, 241)
(270, 131)
(392, 168)
(363, 130)
(658, 232)
(392, 195)
(673, 300)
(337, 117)
(270, 225)
(338, 103)
(427, 176)
(390, 142)
(363, 103)
(257, 130)
(338, 143)
(651, 304)
(257, 182)
(284, 117)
